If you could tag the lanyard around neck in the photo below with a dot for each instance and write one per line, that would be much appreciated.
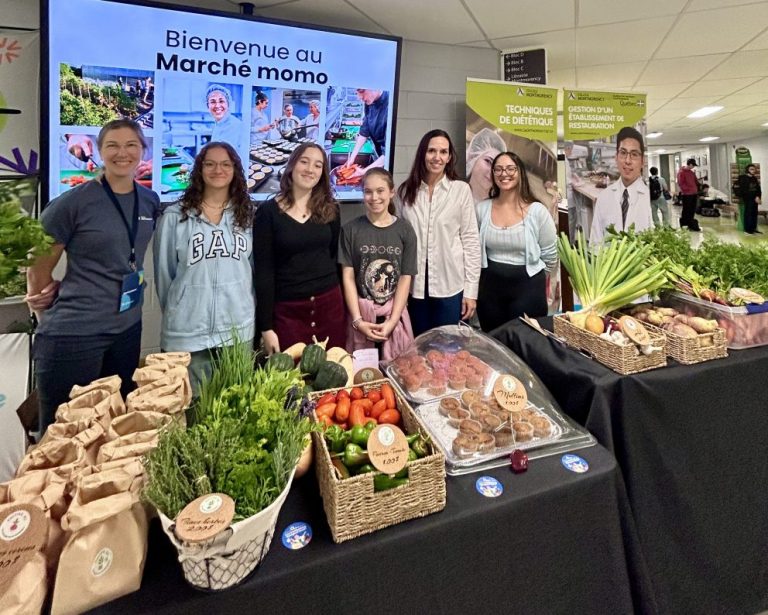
(131, 229)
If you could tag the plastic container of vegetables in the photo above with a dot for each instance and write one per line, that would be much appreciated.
(743, 328)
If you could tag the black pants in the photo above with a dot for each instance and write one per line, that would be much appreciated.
(62, 361)
(750, 215)
(507, 292)
(689, 210)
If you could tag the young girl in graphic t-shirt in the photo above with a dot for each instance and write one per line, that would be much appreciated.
(377, 253)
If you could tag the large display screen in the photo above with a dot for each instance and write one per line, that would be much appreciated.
(192, 77)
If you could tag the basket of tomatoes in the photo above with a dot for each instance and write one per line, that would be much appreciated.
(357, 498)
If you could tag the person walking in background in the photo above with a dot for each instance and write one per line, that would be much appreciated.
(751, 195)
(659, 207)
(296, 240)
(204, 263)
(377, 253)
(441, 210)
(91, 328)
(517, 246)
(688, 186)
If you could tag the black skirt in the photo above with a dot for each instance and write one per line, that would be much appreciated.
(507, 292)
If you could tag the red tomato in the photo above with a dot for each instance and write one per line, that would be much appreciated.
(374, 395)
(389, 416)
(356, 393)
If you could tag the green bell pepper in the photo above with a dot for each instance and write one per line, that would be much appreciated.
(359, 435)
(382, 482)
(354, 455)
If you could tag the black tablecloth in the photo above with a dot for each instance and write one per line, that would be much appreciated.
(553, 542)
(691, 444)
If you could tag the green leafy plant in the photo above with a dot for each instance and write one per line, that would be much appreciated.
(22, 239)
(249, 434)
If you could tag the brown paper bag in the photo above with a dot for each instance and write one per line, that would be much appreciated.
(170, 394)
(89, 432)
(60, 457)
(134, 422)
(106, 540)
(110, 383)
(150, 374)
(175, 358)
(28, 589)
(130, 445)
(101, 403)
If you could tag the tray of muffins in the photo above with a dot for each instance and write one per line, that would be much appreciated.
(471, 429)
(257, 174)
(479, 401)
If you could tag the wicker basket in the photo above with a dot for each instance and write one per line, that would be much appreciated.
(232, 555)
(689, 350)
(351, 505)
(622, 359)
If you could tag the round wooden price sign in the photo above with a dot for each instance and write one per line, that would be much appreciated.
(23, 532)
(388, 449)
(634, 330)
(510, 392)
(205, 517)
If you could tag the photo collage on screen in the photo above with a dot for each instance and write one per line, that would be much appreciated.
(91, 96)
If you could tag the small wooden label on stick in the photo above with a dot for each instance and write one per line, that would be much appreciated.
(23, 532)
(388, 449)
(510, 392)
(205, 517)
(634, 330)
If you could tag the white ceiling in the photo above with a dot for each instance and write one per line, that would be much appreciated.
(684, 54)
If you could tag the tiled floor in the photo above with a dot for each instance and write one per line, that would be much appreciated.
(724, 228)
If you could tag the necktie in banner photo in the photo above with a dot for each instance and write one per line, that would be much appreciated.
(624, 208)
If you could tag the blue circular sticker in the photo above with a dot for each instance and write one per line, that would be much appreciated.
(574, 463)
(297, 535)
(489, 487)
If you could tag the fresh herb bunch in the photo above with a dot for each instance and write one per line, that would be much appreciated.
(731, 265)
(22, 239)
(248, 437)
(15, 286)
(714, 264)
(609, 276)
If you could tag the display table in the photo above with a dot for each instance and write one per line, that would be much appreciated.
(553, 542)
(691, 444)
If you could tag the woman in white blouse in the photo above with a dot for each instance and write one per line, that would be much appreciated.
(518, 244)
(440, 209)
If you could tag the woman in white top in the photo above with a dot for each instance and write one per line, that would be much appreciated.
(441, 211)
(517, 243)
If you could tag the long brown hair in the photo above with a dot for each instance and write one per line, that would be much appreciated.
(523, 188)
(387, 177)
(192, 199)
(410, 187)
(322, 205)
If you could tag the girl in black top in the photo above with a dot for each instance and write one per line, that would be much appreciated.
(295, 243)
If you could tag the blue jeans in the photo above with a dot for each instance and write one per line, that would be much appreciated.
(62, 361)
(431, 312)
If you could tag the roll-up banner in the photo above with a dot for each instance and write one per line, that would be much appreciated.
(520, 118)
(591, 121)
(19, 68)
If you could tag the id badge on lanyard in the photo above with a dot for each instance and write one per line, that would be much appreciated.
(132, 289)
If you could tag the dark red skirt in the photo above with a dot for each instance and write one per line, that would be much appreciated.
(322, 315)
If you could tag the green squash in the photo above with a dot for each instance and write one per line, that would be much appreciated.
(330, 376)
(280, 361)
(311, 359)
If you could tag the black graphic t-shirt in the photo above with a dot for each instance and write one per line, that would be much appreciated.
(378, 255)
